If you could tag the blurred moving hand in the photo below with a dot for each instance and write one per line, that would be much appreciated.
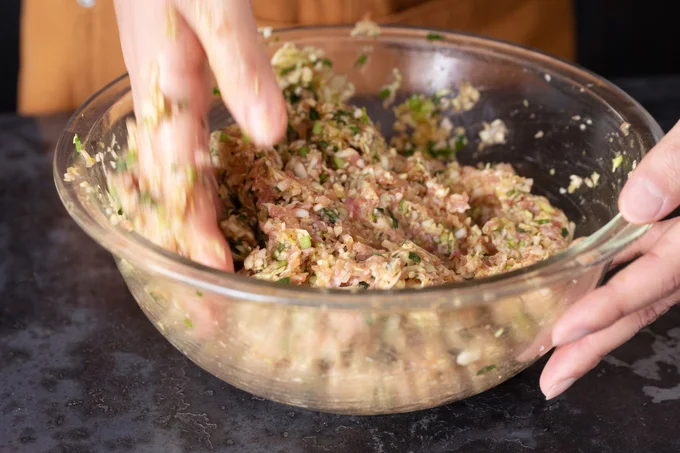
(170, 48)
(635, 297)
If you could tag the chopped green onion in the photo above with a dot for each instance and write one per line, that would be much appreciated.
(402, 205)
(434, 37)
(565, 232)
(361, 61)
(413, 256)
(323, 177)
(79, 146)
(291, 133)
(355, 130)
(339, 162)
(120, 211)
(395, 223)
(217, 92)
(305, 242)
(223, 137)
(199, 294)
(522, 230)
(542, 221)
(364, 115)
(317, 128)
(460, 142)
(486, 369)
(283, 280)
(332, 216)
(327, 62)
(510, 193)
(314, 114)
(364, 285)
(384, 93)
(287, 70)
(303, 151)
(188, 322)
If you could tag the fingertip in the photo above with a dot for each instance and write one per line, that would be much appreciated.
(266, 120)
(641, 201)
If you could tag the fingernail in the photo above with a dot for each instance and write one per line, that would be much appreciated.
(264, 124)
(641, 201)
(561, 338)
(559, 388)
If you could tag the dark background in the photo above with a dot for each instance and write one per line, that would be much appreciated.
(615, 38)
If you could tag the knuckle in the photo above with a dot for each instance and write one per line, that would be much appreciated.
(649, 314)
(669, 164)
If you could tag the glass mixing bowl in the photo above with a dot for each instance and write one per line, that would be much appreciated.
(377, 352)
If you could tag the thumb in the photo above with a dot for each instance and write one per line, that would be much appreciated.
(227, 31)
(653, 190)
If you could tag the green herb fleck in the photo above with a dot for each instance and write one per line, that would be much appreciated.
(332, 216)
(413, 256)
(364, 285)
(384, 93)
(323, 177)
(317, 128)
(291, 134)
(217, 92)
(355, 129)
(439, 152)
(434, 37)
(395, 223)
(542, 221)
(486, 369)
(287, 70)
(361, 61)
(364, 115)
(303, 151)
(565, 232)
(510, 193)
(522, 230)
(223, 137)
(327, 62)
(402, 205)
(314, 114)
(188, 322)
(283, 280)
(120, 211)
(79, 146)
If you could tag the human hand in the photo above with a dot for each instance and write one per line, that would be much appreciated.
(169, 47)
(637, 295)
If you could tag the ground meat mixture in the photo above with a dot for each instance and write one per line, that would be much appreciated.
(337, 205)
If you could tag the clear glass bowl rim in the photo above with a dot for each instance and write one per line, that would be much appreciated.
(596, 249)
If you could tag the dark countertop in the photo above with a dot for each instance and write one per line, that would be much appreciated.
(82, 370)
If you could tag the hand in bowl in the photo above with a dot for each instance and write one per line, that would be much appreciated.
(638, 294)
(169, 47)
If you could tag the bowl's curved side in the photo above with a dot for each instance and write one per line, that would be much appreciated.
(454, 56)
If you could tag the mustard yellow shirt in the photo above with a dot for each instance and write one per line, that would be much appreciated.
(68, 51)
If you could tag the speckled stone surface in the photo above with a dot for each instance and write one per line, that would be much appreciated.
(82, 370)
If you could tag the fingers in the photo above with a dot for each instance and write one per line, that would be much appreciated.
(169, 75)
(643, 244)
(651, 277)
(238, 59)
(653, 190)
(572, 361)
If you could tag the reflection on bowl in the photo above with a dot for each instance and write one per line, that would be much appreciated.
(391, 351)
